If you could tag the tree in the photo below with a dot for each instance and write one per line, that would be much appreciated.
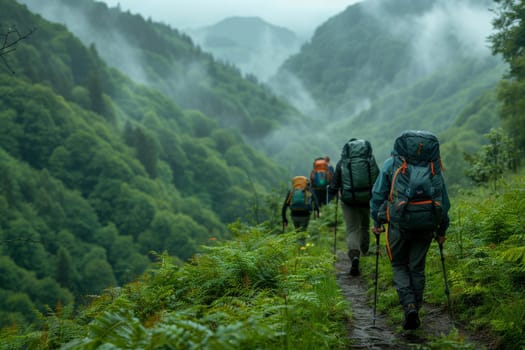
(65, 273)
(97, 273)
(492, 160)
(509, 41)
(133, 211)
(147, 151)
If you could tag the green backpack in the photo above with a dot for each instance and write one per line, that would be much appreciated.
(359, 171)
(416, 196)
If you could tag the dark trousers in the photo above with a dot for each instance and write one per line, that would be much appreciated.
(321, 195)
(407, 253)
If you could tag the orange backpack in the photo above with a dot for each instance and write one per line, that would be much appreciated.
(300, 198)
(320, 175)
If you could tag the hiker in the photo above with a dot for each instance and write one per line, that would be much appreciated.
(320, 178)
(411, 181)
(301, 201)
(354, 177)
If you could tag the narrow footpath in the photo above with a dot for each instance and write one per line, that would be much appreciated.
(364, 335)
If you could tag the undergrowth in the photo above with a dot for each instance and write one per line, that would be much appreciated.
(484, 257)
(257, 291)
(262, 290)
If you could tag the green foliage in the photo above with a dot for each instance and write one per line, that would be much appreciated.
(494, 159)
(264, 291)
(507, 41)
(98, 172)
(92, 161)
(256, 291)
(485, 259)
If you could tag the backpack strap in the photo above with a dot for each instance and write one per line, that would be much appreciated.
(370, 184)
(351, 179)
(401, 169)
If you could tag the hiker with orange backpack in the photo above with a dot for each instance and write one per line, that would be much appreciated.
(410, 195)
(320, 178)
(301, 201)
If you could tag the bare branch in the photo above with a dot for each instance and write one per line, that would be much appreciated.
(20, 240)
(11, 39)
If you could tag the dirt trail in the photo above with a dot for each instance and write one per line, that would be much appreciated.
(383, 335)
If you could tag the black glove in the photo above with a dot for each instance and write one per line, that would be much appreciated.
(381, 214)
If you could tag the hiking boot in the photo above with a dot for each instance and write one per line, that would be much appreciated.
(411, 321)
(354, 270)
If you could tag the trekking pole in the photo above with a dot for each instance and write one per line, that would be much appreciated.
(376, 277)
(335, 226)
(447, 291)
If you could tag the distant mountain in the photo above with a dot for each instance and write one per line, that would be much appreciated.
(250, 43)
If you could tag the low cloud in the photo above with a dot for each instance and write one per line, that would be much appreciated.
(301, 16)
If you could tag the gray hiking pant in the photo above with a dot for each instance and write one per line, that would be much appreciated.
(407, 253)
(357, 222)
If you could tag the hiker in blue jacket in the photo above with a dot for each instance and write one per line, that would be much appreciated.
(407, 248)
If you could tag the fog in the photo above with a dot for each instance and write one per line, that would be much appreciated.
(449, 32)
(467, 23)
(301, 16)
(433, 35)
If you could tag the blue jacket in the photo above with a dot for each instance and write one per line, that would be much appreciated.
(381, 191)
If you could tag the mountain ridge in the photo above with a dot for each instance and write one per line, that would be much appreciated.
(255, 46)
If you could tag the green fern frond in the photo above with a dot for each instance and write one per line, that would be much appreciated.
(515, 254)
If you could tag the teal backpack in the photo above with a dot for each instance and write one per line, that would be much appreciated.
(416, 196)
(359, 171)
(300, 198)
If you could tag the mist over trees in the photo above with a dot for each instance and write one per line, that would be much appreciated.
(381, 67)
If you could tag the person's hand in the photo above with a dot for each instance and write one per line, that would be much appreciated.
(441, 239)
(378, 229)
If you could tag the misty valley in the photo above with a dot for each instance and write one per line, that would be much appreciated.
(144, 168)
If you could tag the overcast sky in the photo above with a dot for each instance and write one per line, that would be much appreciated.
(301, 16)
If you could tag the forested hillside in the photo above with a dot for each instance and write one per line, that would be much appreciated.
(165, 59)
(381, 67)
(372, 71)
(99, 172)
